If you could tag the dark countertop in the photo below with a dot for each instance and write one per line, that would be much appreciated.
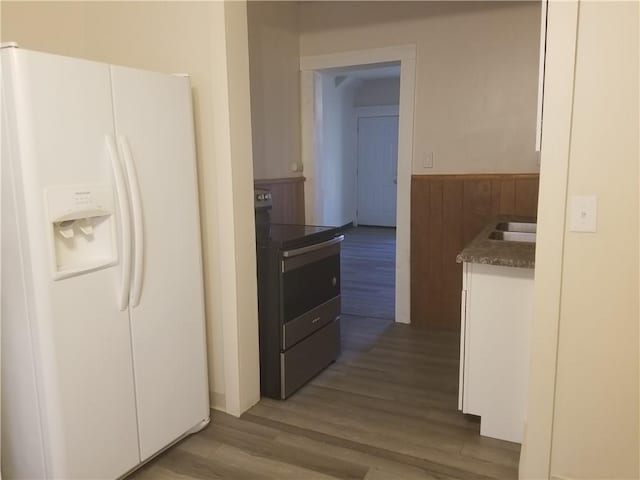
(282, 235)
(499, 252)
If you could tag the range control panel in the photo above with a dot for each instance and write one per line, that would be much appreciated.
(262, 198)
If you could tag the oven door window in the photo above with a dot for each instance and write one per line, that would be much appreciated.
(309, 282)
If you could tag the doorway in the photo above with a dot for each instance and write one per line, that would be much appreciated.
(314, 127)
(356, 169)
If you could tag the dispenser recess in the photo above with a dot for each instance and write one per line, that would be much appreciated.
(82, 228)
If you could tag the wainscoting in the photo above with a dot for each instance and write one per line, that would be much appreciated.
(288, 198)
(447, 211)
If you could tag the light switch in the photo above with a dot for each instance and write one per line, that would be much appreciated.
(584, 213)
(427, 160)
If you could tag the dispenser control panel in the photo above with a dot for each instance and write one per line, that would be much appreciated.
(82, 226)
(74, 202)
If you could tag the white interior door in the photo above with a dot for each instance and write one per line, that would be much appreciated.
(153, 116)
(81, 340)
(377, 170)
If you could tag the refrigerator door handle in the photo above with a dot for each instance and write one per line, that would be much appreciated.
(138, 223)
(125, 231)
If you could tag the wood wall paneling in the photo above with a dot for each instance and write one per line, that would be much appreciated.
(288, 198)
(447, 212)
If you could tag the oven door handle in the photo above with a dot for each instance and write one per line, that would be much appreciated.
(312, 248)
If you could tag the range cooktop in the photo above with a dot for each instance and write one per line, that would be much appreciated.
(291, 236)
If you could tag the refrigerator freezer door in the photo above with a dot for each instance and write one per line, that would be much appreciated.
(154, 120)
(71, 334)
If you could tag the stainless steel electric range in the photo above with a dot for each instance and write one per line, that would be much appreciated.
(298, 300)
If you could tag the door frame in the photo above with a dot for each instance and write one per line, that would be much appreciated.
(311, 136)
(559, 80)
(363, 112)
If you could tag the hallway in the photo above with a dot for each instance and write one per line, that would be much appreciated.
(368, 260)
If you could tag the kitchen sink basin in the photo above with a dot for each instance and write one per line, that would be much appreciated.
(514, 236)
(521, 227)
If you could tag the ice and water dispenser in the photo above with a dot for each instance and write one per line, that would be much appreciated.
(82, 224)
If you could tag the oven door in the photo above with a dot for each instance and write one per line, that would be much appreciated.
(310, 287)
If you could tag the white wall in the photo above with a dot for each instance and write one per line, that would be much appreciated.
(595, 428)
(350, 160)
(477, 72)
(378, 91)
(207, 40)
(335, 165)
(236, 229)
(583, 414)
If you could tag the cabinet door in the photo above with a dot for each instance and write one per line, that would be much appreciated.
(154, 124)
(499, 314)
(81, 341)
(463, 338)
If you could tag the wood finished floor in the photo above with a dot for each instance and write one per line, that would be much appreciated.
(368, 272)
(386, 409)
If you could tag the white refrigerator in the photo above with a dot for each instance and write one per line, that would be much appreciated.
(103, 335)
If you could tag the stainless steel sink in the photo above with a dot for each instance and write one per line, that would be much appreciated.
(522, 227)
(514, 236)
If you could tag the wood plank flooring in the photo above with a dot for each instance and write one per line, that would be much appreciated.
(368, 272)
(386, 409)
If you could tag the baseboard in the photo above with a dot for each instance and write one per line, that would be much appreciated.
(346, 226)
(217, 401)
(376, 226)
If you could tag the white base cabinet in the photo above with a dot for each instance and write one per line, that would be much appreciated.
(496, 315)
